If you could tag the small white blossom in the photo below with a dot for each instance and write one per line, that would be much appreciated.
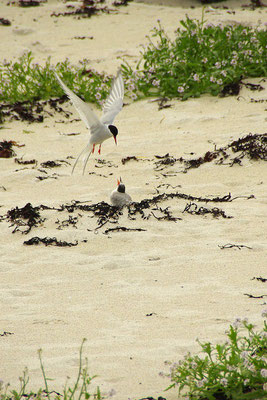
(244, 355)
(264, 372)
(180, 89)
(224, 381)
(196, 77)
(223, 72)
(218, 65)
(156, 82)
(205, 60)
(212, 79)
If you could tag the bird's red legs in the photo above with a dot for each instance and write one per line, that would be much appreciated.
(99, 150)
(93, 148)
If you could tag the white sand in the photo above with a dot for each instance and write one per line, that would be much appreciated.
(106, 288)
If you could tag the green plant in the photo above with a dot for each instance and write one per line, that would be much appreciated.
(78, 392)
(234, 370)
(24, 80)
(202, 58)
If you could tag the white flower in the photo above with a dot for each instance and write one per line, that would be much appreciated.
(223, 72)
(98, 96)
(212, 79)
(244, 355)
(156, 82)
(219, 81)
(218, 65)
(205, 60)
(180, 89)
(196, 77)
(224, 381)
(264, 372)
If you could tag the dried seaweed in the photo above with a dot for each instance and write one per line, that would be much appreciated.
(87, 10)
(231, 89)
(6, 150)
(49, 242)
(162, 103)
(25, 162)
(254, 146)
(254, 4)
(32, 111)
(30, 3)
(152, 398)
(234, 246)
(118, 3)
(6, 333)
(71, 221)
(124, 229)
(194, 209)
(26, 217)
(5, 22)
(101, 162)
(53, 164)
(259, 278)
(129, 158)
(164, 161)
(251, 296)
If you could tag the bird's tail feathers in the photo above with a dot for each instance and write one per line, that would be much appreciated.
(85, 153)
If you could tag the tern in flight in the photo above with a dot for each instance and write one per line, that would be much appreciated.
(103, 128)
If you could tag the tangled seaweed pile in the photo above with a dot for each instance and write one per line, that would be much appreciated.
(28, 217)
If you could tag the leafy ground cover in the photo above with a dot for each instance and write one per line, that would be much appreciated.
(234, 370)
(202, 58)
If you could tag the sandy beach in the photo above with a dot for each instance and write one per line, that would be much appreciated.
(143, 296)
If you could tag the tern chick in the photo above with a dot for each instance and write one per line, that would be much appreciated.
(100, 129)
(119, 197)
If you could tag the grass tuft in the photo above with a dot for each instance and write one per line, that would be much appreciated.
(79, 391)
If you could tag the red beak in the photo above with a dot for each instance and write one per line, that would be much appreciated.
(118, 182)
(115, 139)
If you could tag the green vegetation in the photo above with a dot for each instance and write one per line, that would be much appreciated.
(79, 391)
(235, 370)
(25, 80)
(202, 58)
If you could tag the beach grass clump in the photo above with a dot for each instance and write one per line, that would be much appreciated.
(26, 81)
(202, 58)
(78, 391)
(234, 370)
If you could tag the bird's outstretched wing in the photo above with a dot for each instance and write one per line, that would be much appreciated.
(114, 102)
(86, 114)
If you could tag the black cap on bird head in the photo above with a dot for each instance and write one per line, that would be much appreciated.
(121, 186)
(114, 132)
